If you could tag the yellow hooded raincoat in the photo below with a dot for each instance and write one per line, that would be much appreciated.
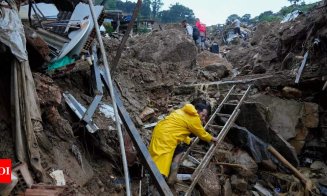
(173, 130)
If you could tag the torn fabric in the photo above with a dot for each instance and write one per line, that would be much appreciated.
(12, 32)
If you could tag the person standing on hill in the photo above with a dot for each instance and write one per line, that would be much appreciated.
(203, 35)
(197, 27)
(188, 28)
(202, 30)
(237, 26)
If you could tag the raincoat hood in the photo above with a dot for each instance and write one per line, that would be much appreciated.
(190, 109)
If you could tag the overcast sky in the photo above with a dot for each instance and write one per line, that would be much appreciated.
(213, 12)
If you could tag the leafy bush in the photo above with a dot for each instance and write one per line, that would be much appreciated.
(108, 27)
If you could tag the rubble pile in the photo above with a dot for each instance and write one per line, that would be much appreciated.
(281, 46)
(157, 62)
(282, 123)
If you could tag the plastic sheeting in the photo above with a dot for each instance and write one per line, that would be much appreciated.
(257, 148)
(12, 32)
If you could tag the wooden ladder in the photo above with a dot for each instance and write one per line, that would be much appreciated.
(224, 130)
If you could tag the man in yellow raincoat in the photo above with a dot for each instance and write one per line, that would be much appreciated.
(175, 129)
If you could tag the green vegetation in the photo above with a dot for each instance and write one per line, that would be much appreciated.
(176, 13)
(108, 27)
(269, 16)
(151, 9)
(156, 5)
(108, 4)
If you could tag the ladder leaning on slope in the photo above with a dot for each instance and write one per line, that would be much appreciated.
(224, 130)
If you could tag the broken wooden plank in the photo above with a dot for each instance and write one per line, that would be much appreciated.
(299, 73)
(231, 81)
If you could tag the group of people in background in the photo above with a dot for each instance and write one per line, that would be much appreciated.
(197, 32)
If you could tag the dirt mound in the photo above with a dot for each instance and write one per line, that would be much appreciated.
(261, 31)
(276, 46)
(154, 63)
(163, 46)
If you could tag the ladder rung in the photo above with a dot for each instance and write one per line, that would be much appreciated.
(190, 167)
(230, 104)
(229, 123)
(216, 126)
(196, 151)
(193, 159)
(233, 104)
(223, 115)
(236, 94)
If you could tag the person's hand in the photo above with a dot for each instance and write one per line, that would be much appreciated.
(214, 139)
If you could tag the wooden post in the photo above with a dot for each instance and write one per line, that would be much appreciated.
(123, 41)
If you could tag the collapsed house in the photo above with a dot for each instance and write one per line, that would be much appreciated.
(284, 110)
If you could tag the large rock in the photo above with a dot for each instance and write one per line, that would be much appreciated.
(258, 124)
(277, 121)
(209, 183)
(215, 72)
(284, 116)
(213, 67)
(207, 58)
(243, 158)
